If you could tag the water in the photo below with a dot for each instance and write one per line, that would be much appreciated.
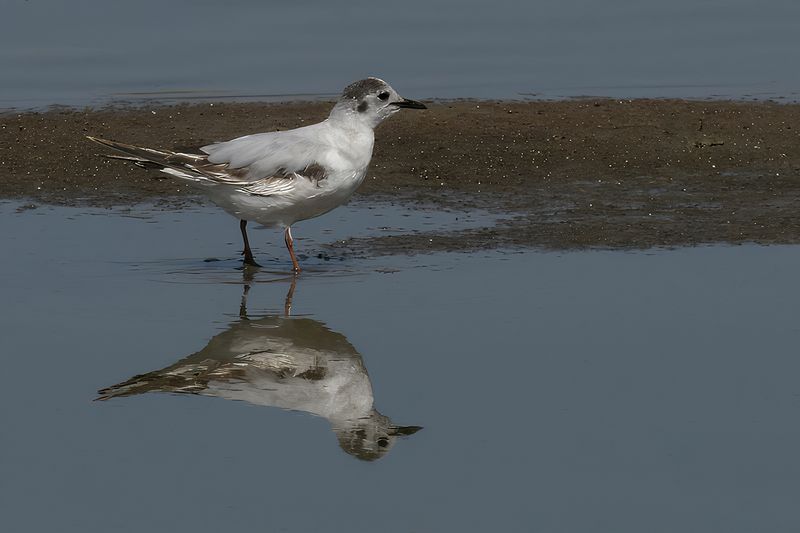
(91, 52)
(612, 391)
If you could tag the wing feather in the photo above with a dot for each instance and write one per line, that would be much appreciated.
(264, 164)
(266, 154)
(285, 182)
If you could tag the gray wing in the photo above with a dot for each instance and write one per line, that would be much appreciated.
(264, 164)
(264, 155)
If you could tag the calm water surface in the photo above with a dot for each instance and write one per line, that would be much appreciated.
(95, 52)
(579, 391)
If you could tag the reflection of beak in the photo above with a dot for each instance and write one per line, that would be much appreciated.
(410, 104)
(403, 430)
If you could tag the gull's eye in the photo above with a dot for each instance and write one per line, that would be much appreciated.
(383, 96)
(383, 442)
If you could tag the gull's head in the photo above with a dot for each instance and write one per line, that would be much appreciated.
(370, 101)
(371, 437)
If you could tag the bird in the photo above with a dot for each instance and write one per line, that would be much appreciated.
(279, 178)
(293, 363)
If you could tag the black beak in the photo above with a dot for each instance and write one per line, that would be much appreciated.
(404, 430)
(410, 104)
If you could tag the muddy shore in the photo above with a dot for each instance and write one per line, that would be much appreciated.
(578, 173)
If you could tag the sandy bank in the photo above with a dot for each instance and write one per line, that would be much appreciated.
(582, 173)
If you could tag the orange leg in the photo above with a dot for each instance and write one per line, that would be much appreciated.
(287, 237)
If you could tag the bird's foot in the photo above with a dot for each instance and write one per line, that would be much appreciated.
(249, 260)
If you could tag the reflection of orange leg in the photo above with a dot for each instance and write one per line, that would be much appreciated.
(287, 237)
(287, 304)
(248, 254)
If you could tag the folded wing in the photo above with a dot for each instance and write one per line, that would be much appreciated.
(264, 164)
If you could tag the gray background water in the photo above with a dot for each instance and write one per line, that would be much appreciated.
(96, 51)
(582, 391)
(627, 392)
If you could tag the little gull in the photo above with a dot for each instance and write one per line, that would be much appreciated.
(282, 177)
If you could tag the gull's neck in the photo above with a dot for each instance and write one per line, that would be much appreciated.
(353, 135)
(345, 116)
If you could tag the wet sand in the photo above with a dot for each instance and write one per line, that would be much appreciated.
(576, 173)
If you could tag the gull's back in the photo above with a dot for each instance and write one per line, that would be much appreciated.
(265, 154)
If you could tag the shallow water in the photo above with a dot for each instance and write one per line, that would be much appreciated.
(614, 391)
(90, 52)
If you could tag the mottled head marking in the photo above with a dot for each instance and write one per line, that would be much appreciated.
(361, 88)
(369, 102)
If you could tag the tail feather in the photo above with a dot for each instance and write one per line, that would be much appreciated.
(185, 166)
(137, 152)
(138, 161)
(182, 377)
(153, 382)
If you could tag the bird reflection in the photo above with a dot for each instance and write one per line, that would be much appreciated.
(281, 361)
